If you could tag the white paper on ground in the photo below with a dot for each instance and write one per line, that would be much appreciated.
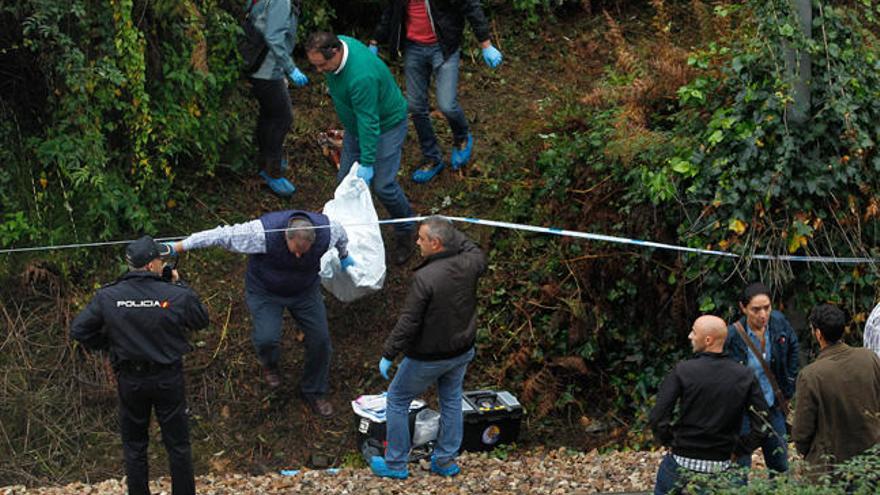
(372, 407)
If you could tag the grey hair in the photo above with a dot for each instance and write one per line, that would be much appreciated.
(439, 228)
(298, 229)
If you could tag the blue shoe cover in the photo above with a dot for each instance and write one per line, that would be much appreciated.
(379, 468)
(460, 157)
(281, 186)
(450, 469)
(422, 175)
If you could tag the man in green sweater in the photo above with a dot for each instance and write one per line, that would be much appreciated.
(373, 112)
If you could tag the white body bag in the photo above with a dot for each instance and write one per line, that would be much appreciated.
(352, 207)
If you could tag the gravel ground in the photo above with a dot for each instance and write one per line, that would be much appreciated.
(552, 472)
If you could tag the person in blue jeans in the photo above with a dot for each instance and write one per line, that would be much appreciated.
(429, 34)
(372, 110)
(276, 20)
(435, 332)
(777, 342)
(284, 251)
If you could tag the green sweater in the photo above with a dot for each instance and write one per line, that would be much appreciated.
(366, 97)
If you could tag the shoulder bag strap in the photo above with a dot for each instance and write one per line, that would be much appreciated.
(780, 399)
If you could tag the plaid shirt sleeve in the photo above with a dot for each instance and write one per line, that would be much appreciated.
(246, 238)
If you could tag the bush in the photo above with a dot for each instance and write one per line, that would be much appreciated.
(693, 147)
(859, 476)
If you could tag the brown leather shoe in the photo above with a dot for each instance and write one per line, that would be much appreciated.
(320, 406)
(271, 377)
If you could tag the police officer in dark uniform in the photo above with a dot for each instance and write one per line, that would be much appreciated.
(142, 319)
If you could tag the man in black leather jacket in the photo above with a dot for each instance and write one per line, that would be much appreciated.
(713, 394)
(436, 332)
(142, 320)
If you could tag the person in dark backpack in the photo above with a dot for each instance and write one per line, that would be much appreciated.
(277, 21)
(142, 319)
(777, 345)
(284, 251)
(429, 33)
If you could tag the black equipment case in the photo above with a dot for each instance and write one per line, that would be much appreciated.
(490, 419)
(372, 434)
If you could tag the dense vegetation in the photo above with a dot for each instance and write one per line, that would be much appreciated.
(111, 112)
(695, 146)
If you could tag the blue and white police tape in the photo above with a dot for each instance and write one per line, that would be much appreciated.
(522, 227)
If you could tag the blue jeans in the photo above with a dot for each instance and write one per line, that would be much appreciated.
(384, 182)
(413, 377)
(774, 446)
(667, 477)
(671, 478)
(420, 62)
(307, 308)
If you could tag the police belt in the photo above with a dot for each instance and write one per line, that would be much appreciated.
(145, 367)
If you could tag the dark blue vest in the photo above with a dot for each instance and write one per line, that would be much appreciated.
(279, 272)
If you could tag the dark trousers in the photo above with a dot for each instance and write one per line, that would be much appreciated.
(273, 121)
(139, 393)
(774, 446)
(308, 309)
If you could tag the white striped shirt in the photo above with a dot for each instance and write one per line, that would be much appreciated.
(701, 465)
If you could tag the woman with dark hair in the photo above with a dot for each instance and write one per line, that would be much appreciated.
(773, 357)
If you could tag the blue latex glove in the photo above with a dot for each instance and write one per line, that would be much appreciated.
(170, 247)
(365, 172)
(374, 49)
(346, 262)
(297, 77)
(384, 366)
(492, 56)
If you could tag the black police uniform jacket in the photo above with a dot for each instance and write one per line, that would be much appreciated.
(141, 317)
(447, 17)
(439, 317)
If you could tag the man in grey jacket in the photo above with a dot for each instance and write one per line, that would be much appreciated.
(436, 332)
(276, 20)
